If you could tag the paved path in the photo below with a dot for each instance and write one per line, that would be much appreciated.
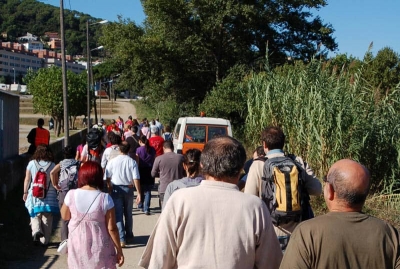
(142, 227)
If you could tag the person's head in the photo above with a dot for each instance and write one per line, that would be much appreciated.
(114, 138)
(43, 153)
(130, 118)
(102, 121)
(191, 161)
(90, 174)
(273, 138)
(134, 129)
(168, 146)
(135, 122)
(154, 130)
(223, 159)
(259, 152)
(68, 152)
(346, 186)
(124, 147)
(40, 122)
(167, 128)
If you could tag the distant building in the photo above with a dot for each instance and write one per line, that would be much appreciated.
(27, 37)
(15, 60)
(72, 66)
(33, 45)
(55, 41)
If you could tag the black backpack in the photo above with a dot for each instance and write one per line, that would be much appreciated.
(93, 138)
(283, 190)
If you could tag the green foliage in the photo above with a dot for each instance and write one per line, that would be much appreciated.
(47, 90)
(328, 116)
(383, 70)
(186, 47)
(228, 99)
(19, 17)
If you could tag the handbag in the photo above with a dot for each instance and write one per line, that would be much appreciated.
(63, 247)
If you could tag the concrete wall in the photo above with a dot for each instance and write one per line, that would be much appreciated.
(13, 169)
(9, 125)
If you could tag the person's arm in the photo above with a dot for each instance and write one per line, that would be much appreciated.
(113, 231)
(253, 180)
(31, 136)
(312, 183)
(268, 251)
(26, 184)
(78, 155)
(54, 176)
(65, 212)
(139, 193)
(155, 170)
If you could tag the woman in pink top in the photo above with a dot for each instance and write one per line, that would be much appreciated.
(80, 148)
(93, 240)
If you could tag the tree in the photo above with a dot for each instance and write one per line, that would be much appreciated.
(186, 47)
(383, 70)
(46, 88)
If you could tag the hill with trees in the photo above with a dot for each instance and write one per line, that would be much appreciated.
(17, 17)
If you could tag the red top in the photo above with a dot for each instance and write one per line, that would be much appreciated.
(42, 136)
(157, 143)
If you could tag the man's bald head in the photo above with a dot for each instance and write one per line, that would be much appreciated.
(351, 182)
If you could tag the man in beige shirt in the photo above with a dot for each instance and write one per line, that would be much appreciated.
(214, 225)
(273, 140)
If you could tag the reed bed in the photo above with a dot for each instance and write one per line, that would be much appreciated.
(326, 116)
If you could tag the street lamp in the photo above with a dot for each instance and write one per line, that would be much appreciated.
(94, 87)
(88, 70)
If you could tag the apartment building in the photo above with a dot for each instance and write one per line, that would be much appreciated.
(15, 60)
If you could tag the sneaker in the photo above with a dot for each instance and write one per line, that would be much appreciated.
(147, 213)
(36, 238)
(123, 244)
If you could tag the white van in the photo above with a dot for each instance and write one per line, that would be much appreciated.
(194, 132)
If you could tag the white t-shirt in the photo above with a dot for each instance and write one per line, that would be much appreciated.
(122, 170)
(84, 198)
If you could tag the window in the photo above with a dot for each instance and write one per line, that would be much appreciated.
(177, 130)
(216, 131)
(17, 58)
(11, 64)
(23, 59)
(195, 133)
(5, 56)
(12, 57)
(28, 61)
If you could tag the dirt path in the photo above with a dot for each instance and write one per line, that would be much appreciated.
(123, 107)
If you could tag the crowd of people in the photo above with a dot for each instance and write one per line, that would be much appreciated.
(215, 213)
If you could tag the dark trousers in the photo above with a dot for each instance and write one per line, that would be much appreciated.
(64, 223)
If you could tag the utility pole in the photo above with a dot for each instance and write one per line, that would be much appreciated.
(64, 76)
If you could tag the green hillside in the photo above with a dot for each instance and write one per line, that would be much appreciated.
(17, 17)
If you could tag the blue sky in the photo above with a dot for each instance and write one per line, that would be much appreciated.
(357, 23)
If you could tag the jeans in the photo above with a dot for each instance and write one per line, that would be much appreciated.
(123, 203)
(146, 197)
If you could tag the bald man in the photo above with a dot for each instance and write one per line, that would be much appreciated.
(345, 237)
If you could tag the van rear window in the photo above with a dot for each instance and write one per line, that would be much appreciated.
(195, 133)
(216, 131)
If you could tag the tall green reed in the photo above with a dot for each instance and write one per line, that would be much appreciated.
(326, 116)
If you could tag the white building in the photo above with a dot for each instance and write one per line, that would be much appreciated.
(72, 66)
(33, 45)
